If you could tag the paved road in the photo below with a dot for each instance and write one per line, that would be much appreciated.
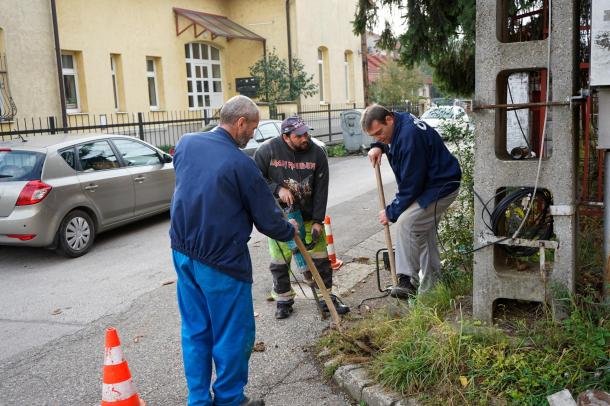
(53, 311)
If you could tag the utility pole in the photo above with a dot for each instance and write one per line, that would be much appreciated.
(365, 68)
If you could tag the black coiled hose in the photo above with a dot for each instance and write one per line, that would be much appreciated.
(539, 225)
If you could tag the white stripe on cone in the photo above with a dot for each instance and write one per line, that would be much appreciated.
(330, 248)
(113, 356)
(118, 391)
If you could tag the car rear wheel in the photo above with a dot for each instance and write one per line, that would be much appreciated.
(76, 234)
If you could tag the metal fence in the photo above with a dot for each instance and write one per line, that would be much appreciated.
(326, 119)
(157, 128)
(164, 129)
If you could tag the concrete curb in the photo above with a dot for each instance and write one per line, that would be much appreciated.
(355, 381)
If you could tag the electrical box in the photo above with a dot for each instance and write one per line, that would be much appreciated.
(246, 86)
(603, 124)
(600, 43)
(352, 132)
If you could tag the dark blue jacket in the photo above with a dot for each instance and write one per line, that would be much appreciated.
(219, 194)
(425, 170)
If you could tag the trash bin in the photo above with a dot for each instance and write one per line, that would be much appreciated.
(353, 136)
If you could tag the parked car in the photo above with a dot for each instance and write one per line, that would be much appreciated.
(436, 117)
(60, 191)
(266, 129)
(270, 129)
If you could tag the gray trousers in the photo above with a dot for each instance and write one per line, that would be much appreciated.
(416, 248)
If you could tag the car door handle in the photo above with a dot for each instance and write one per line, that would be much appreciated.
(140, 179)
(91, 187)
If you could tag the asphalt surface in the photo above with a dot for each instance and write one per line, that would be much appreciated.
(53, 312)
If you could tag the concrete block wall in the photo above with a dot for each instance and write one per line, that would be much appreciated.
(558, 173)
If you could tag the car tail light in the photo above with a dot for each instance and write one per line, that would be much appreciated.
(22, 237)
(33, 192)
(5, 150)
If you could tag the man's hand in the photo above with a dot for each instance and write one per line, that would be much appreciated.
(286, 196)
(375, 154)
(383, 218)
(295, 225)
(316, 231)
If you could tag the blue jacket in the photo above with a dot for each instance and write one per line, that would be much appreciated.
(425, 170)
(219, 194)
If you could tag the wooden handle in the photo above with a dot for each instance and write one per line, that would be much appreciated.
(388, 236)
(316, 277)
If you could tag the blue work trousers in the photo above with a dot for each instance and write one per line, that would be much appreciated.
(217, 325)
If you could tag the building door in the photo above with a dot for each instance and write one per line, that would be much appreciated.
(203, 73)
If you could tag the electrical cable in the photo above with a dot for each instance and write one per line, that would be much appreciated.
(546, 112)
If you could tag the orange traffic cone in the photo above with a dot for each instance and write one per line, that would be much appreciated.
(330, 245)
(117, 387)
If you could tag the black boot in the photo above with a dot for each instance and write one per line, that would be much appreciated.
(252, 402)
(341, 308)
(404, 289)
(284, 309)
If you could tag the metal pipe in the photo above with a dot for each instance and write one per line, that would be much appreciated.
(289, 37)
(60, 76)
(606, 289)
(266, 69)
(517, 106)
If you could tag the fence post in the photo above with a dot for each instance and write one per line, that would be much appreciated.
(52, 125)
(206, 121)
(141, 125)
(330, 129)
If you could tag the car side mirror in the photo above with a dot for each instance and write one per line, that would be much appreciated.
(167, 159)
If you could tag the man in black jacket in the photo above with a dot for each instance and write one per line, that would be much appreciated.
(296, 170)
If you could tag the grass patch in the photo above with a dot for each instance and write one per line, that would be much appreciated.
(438, 352)
(337, 150)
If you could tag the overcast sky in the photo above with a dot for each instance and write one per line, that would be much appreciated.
(395, 20)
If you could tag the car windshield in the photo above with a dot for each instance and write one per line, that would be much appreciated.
(442, 114)
(20, 165)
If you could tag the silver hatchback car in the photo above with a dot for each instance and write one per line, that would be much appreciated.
(60, 191)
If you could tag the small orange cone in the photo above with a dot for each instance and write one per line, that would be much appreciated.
(117, 387)
(330, 245)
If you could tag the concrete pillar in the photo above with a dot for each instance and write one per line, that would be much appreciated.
(492, 278)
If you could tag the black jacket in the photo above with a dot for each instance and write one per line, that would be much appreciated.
(305, 173)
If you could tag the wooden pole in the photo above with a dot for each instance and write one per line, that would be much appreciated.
(388, 236)
(316, 277)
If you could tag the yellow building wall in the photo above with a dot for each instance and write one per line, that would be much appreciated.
(327, 23)
(136, 29)
(27, 33)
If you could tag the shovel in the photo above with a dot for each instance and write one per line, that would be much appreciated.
(388, 236)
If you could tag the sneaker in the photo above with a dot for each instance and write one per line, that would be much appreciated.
(252, 402)
(404, 289)
(284, 309)
(341, 308)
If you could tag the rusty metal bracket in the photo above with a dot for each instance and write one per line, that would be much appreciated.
(518, 106)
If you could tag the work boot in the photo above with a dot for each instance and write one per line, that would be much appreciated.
(283, 309)
(404, 289)
(252, 402)
(341, 308)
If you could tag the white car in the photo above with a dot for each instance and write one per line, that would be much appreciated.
(436, 117)
(270, 129)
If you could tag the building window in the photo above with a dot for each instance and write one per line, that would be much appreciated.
(70, 76)
(203, 76)
(151, 75)
(115, 83)
(321, 74)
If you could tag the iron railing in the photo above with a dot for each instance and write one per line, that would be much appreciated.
(165, 128)
(8, 110)
(157, 128)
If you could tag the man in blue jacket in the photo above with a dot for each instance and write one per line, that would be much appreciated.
(219, 194)
(428, 179)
